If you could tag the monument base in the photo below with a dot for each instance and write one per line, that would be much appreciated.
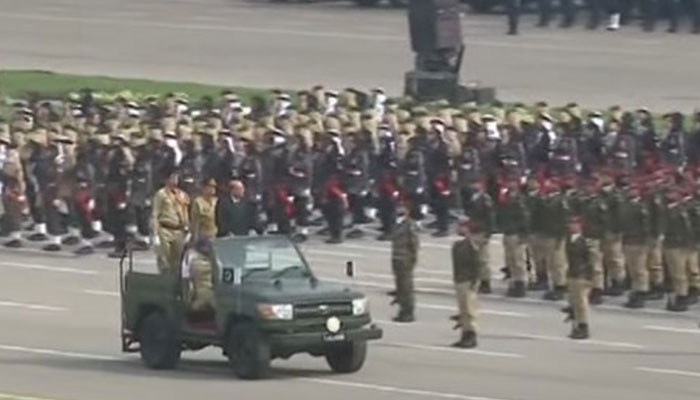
(431, 86)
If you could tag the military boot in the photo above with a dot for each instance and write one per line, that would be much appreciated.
(580, 332)
(404, 317)
(485, 287)
(616, 289)
(693, 295)
(636, 300)
(656, 292)
(467, 341)
(517, 290)
(540, 284)
(677, 304)
(596, 297)
(556, 294)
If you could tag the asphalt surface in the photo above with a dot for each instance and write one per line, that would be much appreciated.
(60, 340)
(256, 43)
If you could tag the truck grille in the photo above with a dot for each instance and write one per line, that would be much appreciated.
(320, 310)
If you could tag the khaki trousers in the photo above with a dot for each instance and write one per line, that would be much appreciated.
(557, 264)
(203, 296)
(655, 264)
(694, 269)
(578, 299)
(403, 278)
(596, 254)
(482, 243)
(169, 251)
(468, 304)
(613, 257)
(515, 254)
(539, 254)
(677, 260)
(636, 265)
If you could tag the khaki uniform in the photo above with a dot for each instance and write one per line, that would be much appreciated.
(554, 241)
(202, 295)
(203, 217)
(678, 247)
(636, 235)
(482, 214)
(613, 255)
(466, 266)
(580, 275)
(657, 222)
(170, 224)
(514, 220)
(404, 256)
(594, 211)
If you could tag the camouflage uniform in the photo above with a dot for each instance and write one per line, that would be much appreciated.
(404, 256)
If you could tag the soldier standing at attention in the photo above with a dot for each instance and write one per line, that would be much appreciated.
(203, 214)
(636, 235)
(170, 224)
(405, 244)
(514, 219)
(678, 245)
(466, 266)
(580, 276)
(483, 220)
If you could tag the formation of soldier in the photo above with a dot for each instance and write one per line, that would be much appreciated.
(77, 170)
(618, 12)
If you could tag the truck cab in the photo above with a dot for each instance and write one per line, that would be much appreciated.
(267, 304)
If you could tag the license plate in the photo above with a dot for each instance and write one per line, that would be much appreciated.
(340, 337)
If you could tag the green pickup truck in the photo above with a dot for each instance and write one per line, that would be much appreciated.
(268, 304)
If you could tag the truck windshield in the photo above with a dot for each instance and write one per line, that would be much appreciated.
(273, 255)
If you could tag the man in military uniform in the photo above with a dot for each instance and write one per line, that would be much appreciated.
(613, 256)
(414, 179)
(466, 272)
(357, 177)
(201, 296)
(120, 163)
(141, 191)
(656, 205)
(514, 221)
(594, 215)
(170, 222)
(11, 189)
(439, 171)
(580, 275)
(636, 233)
(203, 213)
(556, 210)
(405, 244)
(678, 245)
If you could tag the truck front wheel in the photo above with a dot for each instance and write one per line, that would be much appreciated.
(347, 357)
(159, 342)
(248, 352)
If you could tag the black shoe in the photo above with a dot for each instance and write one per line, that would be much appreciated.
(38, 237)
(14, 244)
(440, 234)
(391, 293)
(467, 341)
(485, 287)
(517, 290)
(616, 289)
(454, 317)
(679, 305)
(53, 247)
(555, 295)
(355, 234)
(404, 318)
(84, 250)
(336, 240)
(580, 332)
(90, 234)
(636, 300)
(596, 297)
(672, 30)
(656, 292)
(70, 240)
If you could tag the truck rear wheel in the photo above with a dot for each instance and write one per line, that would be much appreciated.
(159, 342)
(347, 357)
(248, 352)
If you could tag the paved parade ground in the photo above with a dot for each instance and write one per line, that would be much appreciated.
(60, 340)
(261, 44)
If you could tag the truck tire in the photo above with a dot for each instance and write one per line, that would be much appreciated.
(159, 342)
(366, 3)
(481, 6)
(347, 357)
(248, 352)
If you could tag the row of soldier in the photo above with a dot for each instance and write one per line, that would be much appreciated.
(78, 168)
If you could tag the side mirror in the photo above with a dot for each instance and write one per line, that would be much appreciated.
(350, 269)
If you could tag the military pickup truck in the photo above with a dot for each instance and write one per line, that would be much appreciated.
(268, 304)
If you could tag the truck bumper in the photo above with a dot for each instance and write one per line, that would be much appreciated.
(319, 339)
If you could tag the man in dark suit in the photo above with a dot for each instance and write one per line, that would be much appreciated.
(233, 212)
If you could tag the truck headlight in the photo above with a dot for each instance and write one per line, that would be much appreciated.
(276, 311)
(360, 306)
